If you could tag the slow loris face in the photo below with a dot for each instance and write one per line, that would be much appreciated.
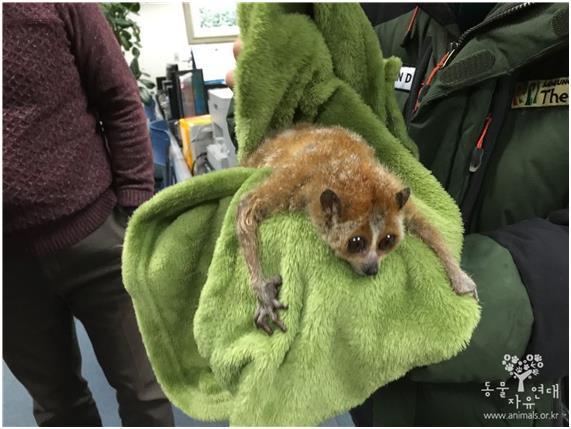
(362, 237)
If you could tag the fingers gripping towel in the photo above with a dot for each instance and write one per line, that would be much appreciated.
(347, 335)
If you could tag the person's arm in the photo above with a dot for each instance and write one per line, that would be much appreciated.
(522, 275)
(113, 94)
(521, 270)
(540, 251)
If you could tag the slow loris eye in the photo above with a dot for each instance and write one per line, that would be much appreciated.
(356, 244)
(387, 242)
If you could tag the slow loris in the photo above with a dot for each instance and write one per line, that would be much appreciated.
(358, 207)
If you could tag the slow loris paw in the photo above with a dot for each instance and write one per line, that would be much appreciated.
(463, 284)
(269, 305)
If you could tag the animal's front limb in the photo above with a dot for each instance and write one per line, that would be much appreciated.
(251, 212)
(417, 224)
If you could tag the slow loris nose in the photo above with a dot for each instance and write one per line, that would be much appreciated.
(371, 269)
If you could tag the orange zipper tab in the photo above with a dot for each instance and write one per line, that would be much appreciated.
(437, 67)
(425, 84)
(487, 123)
(478, 152)
(410, 27)
(412, 19)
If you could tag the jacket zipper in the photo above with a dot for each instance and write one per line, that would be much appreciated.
(456, 46)
(478, 152)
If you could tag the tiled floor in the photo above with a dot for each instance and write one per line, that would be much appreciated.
(17, 404)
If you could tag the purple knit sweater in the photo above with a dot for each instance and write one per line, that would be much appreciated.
(63, 75)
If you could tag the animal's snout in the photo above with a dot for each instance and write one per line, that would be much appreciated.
(371, 269)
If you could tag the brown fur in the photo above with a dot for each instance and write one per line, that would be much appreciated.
(363, 199)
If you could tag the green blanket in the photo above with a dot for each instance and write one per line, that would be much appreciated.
(347, 335)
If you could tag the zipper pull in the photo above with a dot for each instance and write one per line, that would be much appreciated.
(418, 97)
(410, 27)
(426, 83)
(451, 50)
(452, 46)
(476, 160)
(478, 152)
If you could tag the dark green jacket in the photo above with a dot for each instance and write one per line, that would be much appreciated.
(491, 122)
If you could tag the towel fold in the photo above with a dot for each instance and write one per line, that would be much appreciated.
(347, 335)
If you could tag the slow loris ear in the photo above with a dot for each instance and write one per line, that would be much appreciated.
(402, 197)
(331, 205)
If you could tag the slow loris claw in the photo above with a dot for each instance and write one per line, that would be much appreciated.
(464, 285)
(269, 305)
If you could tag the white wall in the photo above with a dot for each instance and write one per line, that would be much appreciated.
(164, 40)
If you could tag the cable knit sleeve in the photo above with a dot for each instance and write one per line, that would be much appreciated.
(113, 95)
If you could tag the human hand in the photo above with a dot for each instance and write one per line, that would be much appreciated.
(236, 49)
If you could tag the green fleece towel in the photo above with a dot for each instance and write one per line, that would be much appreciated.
(347, 335)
